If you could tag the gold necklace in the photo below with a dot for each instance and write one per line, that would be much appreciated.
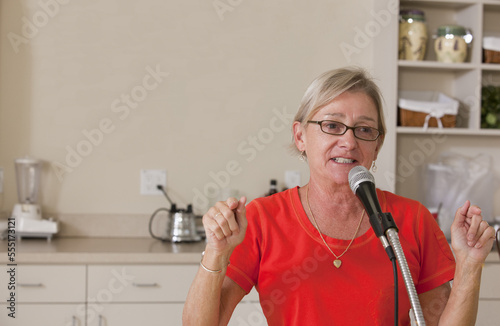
(337, 262)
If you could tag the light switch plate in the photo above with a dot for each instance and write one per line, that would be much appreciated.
(150, 179)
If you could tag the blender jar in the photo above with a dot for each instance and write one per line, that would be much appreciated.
(28, 171)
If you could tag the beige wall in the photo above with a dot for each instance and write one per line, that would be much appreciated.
(176, 85)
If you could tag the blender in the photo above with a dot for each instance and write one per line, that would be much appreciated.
(27, 213)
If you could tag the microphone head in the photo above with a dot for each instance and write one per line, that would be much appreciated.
(358, 175)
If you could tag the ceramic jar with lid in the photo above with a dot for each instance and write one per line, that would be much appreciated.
(452, 43)
(412, 34)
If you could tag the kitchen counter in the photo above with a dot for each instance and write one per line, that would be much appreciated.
(102, 251)
(113, 251)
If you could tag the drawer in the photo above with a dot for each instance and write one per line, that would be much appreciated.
(48, 283)
(490, 282)
(139, 283)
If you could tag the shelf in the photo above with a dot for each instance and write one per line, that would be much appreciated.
(451, 4)
(448, 131)
(490, 66)
(491, 3)
(437, 65)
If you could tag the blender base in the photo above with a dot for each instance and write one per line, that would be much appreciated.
(30, 224)
(29, 228)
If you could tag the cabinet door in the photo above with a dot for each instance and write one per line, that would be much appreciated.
(133, 314)
(44, 315)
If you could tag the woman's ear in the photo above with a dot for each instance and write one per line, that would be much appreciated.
(299, 136)
(380, 141)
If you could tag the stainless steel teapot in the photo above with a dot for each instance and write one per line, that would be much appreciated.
(181, 224)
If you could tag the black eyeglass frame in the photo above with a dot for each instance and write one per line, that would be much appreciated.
(320, 123)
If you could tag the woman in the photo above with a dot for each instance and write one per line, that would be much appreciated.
(310, 251)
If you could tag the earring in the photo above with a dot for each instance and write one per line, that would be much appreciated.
(374, 167)
(302, 156)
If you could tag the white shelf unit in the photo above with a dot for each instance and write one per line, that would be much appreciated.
(462, 81)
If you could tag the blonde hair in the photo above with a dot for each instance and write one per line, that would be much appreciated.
(331, 84)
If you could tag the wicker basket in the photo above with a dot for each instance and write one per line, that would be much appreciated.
(408, 118)
(491, 49)
(491, 56)
(427, 109)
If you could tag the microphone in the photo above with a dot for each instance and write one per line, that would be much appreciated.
(362, 184)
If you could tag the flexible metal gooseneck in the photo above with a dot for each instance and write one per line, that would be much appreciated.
(393, 238)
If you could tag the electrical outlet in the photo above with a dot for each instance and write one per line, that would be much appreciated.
(150, 179)
(292, 179)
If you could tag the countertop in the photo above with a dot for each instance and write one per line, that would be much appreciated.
(102, 251)
(113, 251)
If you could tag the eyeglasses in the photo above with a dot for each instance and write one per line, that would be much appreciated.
(338, 128)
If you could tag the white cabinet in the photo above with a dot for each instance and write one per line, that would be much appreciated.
(107, 295)
(52, 295)
(489, 296)
(152, 294)
(137, 294)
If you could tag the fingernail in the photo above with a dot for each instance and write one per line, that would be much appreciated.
(477, 246)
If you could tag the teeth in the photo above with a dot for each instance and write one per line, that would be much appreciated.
(343, 160)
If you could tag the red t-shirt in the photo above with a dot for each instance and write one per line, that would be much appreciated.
(283, 256)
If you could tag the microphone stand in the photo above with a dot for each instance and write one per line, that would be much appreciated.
(391, 232)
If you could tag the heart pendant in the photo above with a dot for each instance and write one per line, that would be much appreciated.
(337, 263)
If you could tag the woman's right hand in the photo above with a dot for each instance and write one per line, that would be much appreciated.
(225, 225)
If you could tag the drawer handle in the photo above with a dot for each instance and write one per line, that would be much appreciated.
(31, 285)
(145, 285)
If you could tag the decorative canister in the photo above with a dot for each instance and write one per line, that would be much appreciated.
(412, 34)
(452, 43)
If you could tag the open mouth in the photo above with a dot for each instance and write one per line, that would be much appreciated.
(343, 160)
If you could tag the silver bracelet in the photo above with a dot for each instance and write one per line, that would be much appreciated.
(207, 269)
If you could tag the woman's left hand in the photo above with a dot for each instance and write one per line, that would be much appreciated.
(471, 236)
